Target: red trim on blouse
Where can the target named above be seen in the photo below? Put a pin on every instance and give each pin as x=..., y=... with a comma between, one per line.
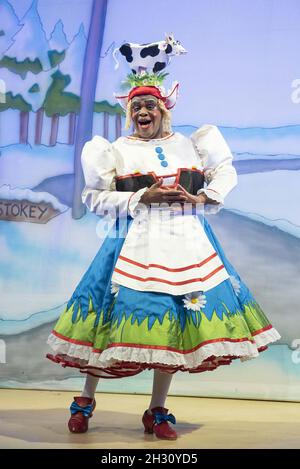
x=157, y=176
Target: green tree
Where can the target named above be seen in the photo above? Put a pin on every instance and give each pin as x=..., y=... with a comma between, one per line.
x=110, y=110
x=18, y=102
x=59, y=103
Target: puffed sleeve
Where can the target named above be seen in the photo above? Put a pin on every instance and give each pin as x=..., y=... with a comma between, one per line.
x=99, y=194
x=220, y=175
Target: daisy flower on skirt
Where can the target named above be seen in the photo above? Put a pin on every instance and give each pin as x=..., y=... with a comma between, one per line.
x=194, y=301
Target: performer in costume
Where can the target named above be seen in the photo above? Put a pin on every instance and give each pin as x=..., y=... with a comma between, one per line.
x=160, y=293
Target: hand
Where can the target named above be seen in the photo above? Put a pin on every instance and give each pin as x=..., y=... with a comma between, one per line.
x=197, y=199
x=158, y=194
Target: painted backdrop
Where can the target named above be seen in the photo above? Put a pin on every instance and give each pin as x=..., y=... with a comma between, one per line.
x=57, y=78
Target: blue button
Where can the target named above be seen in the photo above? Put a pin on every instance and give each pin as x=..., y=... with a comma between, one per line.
x=161, y=156
x=164, y=163
x=158, y=150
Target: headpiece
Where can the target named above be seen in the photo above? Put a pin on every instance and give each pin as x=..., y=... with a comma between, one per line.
x=148, y=83
x=147, y=62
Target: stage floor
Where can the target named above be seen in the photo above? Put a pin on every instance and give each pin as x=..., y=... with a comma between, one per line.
x=37, y=419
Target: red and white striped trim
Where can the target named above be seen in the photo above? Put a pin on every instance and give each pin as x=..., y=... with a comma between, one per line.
x=180, y=280
x=119, y=358
x=177, y=269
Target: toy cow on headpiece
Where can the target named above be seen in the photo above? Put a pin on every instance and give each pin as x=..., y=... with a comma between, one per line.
x=153, y=57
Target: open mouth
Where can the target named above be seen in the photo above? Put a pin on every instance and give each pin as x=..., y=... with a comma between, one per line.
x=145, y=124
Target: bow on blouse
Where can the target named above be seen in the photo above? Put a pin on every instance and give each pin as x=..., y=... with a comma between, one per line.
x=159, y=418
x=77, y=408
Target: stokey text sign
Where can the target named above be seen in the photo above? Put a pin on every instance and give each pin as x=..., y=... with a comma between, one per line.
x=24, y=210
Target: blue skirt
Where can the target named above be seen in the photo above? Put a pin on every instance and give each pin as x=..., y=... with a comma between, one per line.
x=112, y=334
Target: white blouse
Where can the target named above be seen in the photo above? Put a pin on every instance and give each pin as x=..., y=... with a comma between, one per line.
x=164, y=254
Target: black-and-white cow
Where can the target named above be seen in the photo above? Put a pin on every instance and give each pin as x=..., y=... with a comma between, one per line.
x=152, y=57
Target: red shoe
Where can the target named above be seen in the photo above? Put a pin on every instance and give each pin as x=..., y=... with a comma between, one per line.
x=81, y=410
x=158, y=423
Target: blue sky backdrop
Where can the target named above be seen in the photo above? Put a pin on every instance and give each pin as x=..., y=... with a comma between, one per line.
x=242, y=55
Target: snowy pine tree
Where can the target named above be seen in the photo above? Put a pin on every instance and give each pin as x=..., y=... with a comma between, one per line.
x=73, y=62
x=58, y=40
x=58, y=44
x=27, y=69
x=29, y=51
x=9, y=25
x=63, y=99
